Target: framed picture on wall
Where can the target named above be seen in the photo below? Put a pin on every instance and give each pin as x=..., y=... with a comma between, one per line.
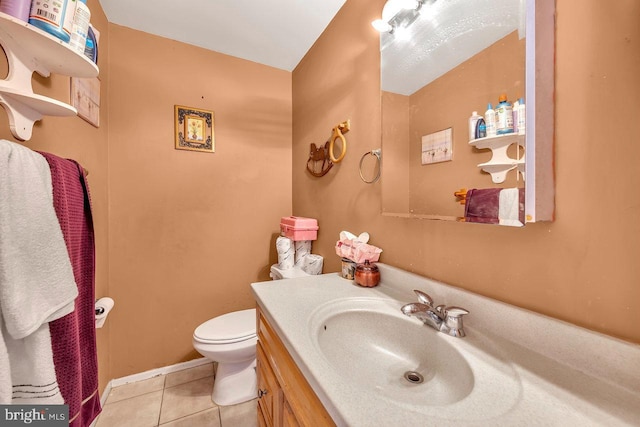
x=85, y=97
x=194, y=129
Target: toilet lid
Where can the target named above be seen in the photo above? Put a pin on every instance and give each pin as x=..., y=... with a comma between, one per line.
x=228, y=328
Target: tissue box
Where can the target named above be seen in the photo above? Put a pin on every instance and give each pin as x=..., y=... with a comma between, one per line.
x=299, y=228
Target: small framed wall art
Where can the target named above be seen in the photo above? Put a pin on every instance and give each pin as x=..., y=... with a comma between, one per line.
x=85, y=97
x=194, y=129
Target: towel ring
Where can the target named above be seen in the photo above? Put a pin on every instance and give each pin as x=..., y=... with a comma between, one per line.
x=337, y=134
x=377, y=153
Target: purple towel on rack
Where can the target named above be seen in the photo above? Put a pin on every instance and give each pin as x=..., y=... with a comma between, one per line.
x=73, y=337
x=483, y=205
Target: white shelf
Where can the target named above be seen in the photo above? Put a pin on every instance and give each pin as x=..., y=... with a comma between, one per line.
x=30, y=50
x=500, y=163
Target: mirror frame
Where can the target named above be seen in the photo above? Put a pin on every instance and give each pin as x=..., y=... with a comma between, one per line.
x=539, y=90
x=540, y=85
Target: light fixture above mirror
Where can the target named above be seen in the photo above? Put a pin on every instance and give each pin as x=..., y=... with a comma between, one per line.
x=398, y=14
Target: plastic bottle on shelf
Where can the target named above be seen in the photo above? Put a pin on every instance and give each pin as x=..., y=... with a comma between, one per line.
x=504, y=116
x=54, y=16
x=17, y=8
x=473, y=120
x=522, y=117
x=481, y=129
x=80, y=27
x=490, y=120
x=91, y=47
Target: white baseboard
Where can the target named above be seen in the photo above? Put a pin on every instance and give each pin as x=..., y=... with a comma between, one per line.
x=156, y=372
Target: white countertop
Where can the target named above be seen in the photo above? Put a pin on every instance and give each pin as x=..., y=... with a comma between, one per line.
x=565, y=375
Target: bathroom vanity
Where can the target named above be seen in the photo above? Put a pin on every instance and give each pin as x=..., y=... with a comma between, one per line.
x=285, y=397
x=334, y=353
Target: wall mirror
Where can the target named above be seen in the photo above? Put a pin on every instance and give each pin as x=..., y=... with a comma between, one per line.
x=440, y=61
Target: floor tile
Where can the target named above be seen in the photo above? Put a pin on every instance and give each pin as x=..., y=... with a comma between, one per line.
x=186, y=399
x=241, y=415
x=208, y=418
x=191, y=374
x=139, y=411
x=135, y=389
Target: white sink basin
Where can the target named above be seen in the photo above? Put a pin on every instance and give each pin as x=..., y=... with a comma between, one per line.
x=369, y=344
x=376, y=346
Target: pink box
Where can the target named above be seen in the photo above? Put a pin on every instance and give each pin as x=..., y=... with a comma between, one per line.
x=298, y=228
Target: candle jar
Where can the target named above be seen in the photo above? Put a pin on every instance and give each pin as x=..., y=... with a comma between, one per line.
x=367, y=274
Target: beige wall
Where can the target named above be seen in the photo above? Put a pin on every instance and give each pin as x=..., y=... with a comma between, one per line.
x=189, y=231
x=582, y=268
x=72, y=137
x=186, y=232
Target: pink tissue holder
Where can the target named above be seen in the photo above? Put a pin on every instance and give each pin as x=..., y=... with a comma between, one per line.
x=357, y=252
x=298, y=228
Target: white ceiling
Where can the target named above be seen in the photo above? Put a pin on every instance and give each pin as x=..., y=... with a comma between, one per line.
x=277, y=33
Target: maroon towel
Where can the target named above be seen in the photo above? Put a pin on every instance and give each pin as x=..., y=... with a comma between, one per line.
x=73, y=337
x=482, y=205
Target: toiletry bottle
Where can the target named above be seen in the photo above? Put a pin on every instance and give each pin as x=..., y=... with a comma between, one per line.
x=522, y=117
x=481, y=129
x=473, y=120
x=80, y=27
x=91, y=47
x=504, y=116
x=516, y=103
x=490, y=120
x=17, y=8
x=53, y=16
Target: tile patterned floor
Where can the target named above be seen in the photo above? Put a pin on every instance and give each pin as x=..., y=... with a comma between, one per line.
x=178, y=399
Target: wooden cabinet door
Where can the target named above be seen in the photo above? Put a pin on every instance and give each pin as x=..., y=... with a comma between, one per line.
x=288, y=417
x=269, y=392
x=262, y=422
x=289, y=399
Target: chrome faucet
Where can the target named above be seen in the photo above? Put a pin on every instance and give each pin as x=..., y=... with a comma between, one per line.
x=441, y=318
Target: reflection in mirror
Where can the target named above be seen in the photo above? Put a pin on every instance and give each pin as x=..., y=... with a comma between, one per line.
x=441, y=60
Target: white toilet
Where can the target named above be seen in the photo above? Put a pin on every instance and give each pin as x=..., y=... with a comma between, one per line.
x=230, y=340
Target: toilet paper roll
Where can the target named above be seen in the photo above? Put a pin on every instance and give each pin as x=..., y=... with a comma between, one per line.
x=313, y=264
x=103, y=307
x=303, y=248
x=286, y=252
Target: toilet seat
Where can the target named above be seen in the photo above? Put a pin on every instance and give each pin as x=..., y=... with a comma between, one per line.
x=229, y=328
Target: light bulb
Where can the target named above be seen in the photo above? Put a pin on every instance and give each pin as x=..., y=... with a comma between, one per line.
x=408, y=4
x=381, y=26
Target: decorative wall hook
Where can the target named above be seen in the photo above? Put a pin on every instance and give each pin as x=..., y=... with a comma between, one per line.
x=338, y=133
x=317, y=155
x=461, y=196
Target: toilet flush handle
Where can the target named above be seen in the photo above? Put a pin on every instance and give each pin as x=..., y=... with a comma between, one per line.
x=262, y=393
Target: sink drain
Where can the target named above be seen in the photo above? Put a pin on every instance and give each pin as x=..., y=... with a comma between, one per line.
x=413, y=377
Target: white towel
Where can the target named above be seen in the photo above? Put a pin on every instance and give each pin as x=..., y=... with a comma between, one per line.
x=509, y=207
x=36, y=277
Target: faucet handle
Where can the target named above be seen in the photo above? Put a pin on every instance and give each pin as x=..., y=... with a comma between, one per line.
x=455, y=312
x=453, y=321
x=424, y=298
